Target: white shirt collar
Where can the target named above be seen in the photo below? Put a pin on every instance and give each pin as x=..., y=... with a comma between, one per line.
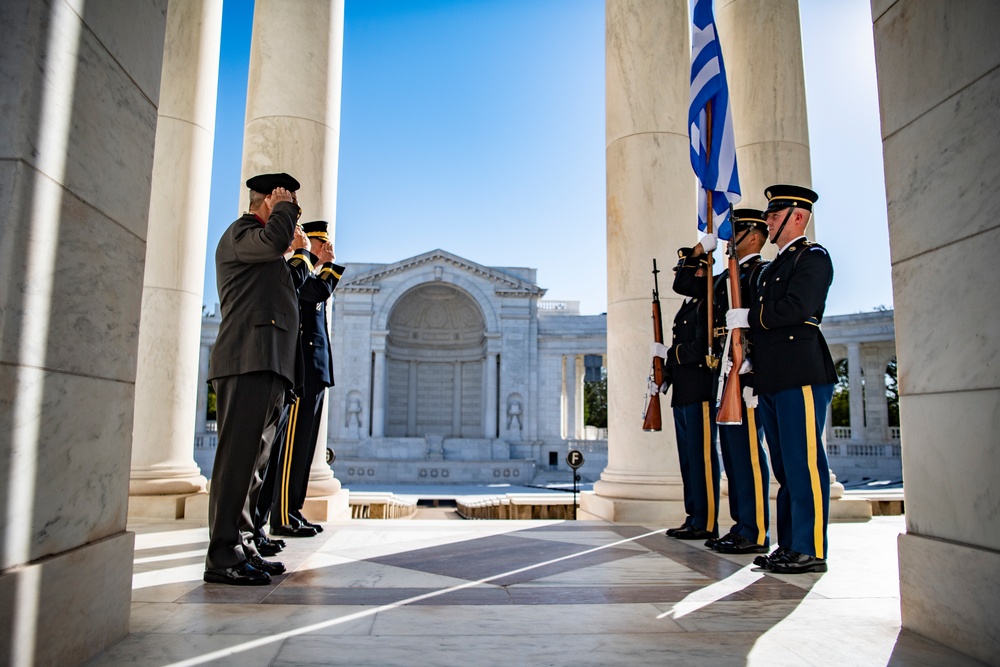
x=790, y=243
x=749, y=257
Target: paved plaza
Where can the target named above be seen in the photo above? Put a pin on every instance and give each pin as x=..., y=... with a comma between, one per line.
x=446, y=592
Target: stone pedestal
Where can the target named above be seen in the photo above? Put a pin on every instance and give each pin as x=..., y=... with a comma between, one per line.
x=651, y=212
x=938, y=87
x=80, y=89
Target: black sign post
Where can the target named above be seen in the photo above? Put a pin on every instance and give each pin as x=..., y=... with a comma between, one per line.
x=574, y=459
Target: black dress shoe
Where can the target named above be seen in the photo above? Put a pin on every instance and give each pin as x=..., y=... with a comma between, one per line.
x=683, y=526
x=765, y=561
x=691, y=533
x=290, y=531
x=302, y=521
x=243, y=574
x=737, y=544
x=272, y=567
x=713, y=542
x=792, y=562
x=267, y=547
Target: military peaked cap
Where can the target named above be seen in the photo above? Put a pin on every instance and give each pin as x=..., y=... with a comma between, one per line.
x=266, y=183
x=785, y=196
x=317, y=229
x=749, y=218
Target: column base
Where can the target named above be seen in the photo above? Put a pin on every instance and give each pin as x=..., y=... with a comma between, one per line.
x=336, y=507
x=169, y=506
x=196, y=507
x=850, y=510
x=630, y=510
x=69, y=607
x=948, y=592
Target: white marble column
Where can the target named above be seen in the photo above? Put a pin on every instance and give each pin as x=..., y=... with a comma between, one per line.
x=293, y=100
x=379, y=384
x=876, y=407
x=166, y=385
x=80, y=86
x=578, y=372
x=762, y=46
x=201, y=405
x=570, y=397
x=856, y=386
x=490, y=397
x=651, y=212
x=939, y=81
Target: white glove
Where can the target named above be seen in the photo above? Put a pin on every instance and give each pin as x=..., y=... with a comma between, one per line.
x=709, y=241
x=658, y=350
x=745, y=367
x=727, y=365
x=738, y=318
x=749, y=398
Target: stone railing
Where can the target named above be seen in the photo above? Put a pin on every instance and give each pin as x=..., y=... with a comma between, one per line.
x=381, y=505
x=842, y=432
x=517, y=506
x=891, y=450
x=894, y=432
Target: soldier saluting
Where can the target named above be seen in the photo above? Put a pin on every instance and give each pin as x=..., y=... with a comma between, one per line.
x=794, y=377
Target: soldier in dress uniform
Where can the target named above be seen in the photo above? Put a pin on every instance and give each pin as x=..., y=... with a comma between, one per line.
x=742, y=445
x=252, y=366
x=301, y=430
x=793, y=378
x=693, y=404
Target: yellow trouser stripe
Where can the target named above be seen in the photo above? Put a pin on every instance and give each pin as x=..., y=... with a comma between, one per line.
x=758, y=492
x=707, y=448
x=286, y=474
x=811, y=456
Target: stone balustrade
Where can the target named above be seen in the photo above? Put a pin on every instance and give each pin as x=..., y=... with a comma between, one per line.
x=381, y=505
x=516, y=506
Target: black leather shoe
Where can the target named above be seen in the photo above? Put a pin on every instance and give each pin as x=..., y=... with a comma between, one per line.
x=713, y=542
x=272, y=567
x=691, y=533
x=243, y=574
x=267, y=547
x=765, y=561
x=289, y=531
x=795, y=563
x=737, y=544
x=302, y=521
x=683, y=526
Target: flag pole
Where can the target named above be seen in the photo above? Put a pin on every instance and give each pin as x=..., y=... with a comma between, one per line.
x=710, y=359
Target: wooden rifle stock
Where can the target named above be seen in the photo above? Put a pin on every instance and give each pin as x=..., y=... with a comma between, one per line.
x=652, y=419
x=730, y=408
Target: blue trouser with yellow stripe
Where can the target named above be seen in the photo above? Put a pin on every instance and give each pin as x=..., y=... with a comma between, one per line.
x=694, y=426
x=793, y=421
x=745, y=462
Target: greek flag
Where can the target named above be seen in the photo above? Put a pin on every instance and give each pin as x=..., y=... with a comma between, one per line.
x=715, y=164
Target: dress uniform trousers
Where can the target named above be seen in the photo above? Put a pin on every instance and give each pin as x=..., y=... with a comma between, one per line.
x=298, y=448
x=793, y=421
x=694, y=426
x=243, y=449
x=745, y=462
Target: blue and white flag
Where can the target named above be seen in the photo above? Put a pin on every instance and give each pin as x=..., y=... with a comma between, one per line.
x=715, y=164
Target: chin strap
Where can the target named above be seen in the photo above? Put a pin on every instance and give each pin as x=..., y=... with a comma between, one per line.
x=783, y=223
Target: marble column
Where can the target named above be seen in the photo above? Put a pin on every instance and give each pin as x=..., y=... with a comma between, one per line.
x=578, y=371
x=876, y=407
x=166, y=386
x=855, y=380
x=939, y=81
x=490, y=397
x=651, y=212
x=80, y=89
x=570, y=397
x=201, y=406
x=293, y=100
x=379, y=384
x=762, y=46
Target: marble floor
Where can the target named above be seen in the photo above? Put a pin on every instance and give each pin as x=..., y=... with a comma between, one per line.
x=445, y=592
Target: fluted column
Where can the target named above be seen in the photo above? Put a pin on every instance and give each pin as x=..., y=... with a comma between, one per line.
x=166, y=386
x=857, y=391
x=570, y=393
x=762, y=46
x=651, y=211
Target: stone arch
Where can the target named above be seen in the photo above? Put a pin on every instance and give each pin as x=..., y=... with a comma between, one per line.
x=459, y=281
x=435, y=358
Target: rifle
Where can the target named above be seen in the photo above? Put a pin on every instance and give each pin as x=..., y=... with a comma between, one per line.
x=651, y=418
x=730, y=406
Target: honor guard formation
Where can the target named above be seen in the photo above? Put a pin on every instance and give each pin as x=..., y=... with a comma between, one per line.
x=270, y=368
x=787, y=378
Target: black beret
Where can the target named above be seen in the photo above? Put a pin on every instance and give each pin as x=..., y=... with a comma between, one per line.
x=266, y=183
x=785, y=196
x=317, y=229
x=749, y=218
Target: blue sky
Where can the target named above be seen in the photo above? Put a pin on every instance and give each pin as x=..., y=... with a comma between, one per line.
x=477, y=126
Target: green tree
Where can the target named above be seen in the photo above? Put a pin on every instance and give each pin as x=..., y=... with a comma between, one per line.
x=892, y=393
x=841, y=404
x=211, y=413
x=595, y=401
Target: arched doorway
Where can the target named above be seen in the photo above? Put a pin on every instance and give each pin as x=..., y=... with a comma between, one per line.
x=435, y=355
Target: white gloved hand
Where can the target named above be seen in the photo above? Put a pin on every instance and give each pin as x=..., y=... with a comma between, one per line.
x=709, y=241
x=658, y=350
x=727, y=365
x=746, y=367
x=738, y=318
x=749, y=398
